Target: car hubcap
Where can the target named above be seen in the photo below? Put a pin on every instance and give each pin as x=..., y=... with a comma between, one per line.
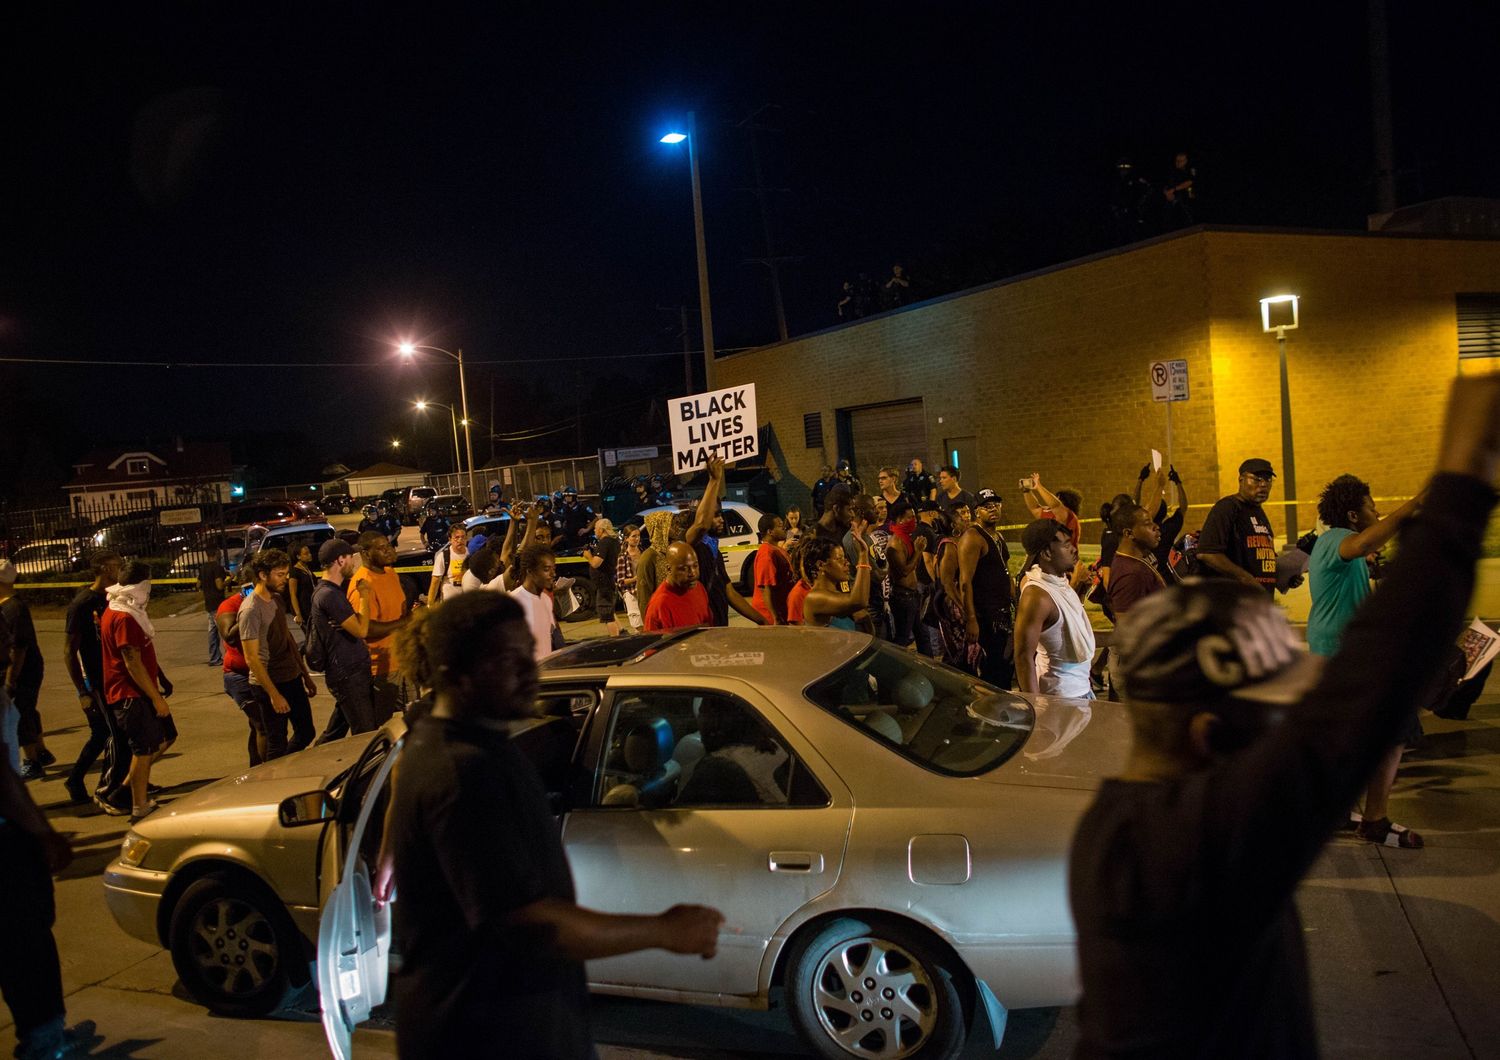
x=874, y=999
x=234, y=946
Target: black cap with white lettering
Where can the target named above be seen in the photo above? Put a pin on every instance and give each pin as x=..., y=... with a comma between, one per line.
x=1210, y=638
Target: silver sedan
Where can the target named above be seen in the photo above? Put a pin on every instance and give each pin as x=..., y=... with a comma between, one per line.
x=886, y=836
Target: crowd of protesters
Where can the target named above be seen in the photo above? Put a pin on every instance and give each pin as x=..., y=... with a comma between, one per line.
x=923, y=563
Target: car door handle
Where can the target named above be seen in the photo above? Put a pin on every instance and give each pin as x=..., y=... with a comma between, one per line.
x=805, y=861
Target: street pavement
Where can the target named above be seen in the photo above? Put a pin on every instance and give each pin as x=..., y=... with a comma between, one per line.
x=1404, y=945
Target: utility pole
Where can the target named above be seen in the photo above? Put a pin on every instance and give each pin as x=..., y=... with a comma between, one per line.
x=687, y=346
x=1380, y=107
x=771, y=261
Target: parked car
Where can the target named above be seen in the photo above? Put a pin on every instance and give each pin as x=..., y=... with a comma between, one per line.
x=133, y=534
x=289, y=537
x=416, y=503
x=450, y=505
x=54, y=555
x=262, y=513
x=198, y=551
x=741, y=532
x=395, y=498
x=910, y=825
x=336, y=504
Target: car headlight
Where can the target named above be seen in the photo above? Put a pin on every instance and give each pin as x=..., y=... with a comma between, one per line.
x=133, y=849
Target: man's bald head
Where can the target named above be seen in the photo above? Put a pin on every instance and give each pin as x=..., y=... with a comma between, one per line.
x=682, y=566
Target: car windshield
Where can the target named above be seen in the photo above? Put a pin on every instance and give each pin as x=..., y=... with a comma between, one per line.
x=607, y=651
x=940, y=718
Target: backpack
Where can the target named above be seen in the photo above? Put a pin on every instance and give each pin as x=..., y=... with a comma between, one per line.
x=316, y=651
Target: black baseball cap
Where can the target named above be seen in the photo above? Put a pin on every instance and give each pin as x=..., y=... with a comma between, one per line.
x=330, y=551
x=987, y=497
x=1208, y=639
x=1257, y=466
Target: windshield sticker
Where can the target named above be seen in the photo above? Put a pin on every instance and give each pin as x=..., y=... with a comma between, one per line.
x=728, y=659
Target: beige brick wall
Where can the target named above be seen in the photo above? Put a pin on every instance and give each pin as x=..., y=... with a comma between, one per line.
x=1050, y=371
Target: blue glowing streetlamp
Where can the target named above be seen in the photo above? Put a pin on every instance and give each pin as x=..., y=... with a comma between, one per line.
x=691, y=137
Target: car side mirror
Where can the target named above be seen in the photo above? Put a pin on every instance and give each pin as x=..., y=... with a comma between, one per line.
x=311, y=807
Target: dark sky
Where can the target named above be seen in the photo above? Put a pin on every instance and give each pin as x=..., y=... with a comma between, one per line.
x=302, y=186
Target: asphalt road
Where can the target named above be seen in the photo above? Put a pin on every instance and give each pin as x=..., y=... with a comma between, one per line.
x=1405, y=946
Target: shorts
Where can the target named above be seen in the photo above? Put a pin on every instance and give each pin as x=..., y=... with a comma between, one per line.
x=604, y=603
x=144, y=731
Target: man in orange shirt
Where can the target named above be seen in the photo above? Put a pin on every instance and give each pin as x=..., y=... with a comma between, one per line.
x=388, y=613
x=681, y=600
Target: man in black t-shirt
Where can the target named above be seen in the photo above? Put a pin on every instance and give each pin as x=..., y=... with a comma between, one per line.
x=23, y=670
x=491, y=936
x=342, y=633
x=1237, y=541
x=83, y=658
x=602, y=557
x=951, y=494
x=211, y=581
x=1244, y=759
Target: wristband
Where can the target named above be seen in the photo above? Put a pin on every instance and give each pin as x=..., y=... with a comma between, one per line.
x=863, y=566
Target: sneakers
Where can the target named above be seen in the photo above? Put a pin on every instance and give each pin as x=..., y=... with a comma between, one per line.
x=138, y=812
x=32, y=770
x=110, y=808
x=77, y=1040
x=46, y=758
x=77, y=793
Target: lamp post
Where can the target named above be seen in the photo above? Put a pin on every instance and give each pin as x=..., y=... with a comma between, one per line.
x=408, y=350
x=691, y=136
x=423, y=405
x=1278, y=313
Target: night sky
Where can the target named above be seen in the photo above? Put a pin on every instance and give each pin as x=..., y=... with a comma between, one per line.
x=281, y=196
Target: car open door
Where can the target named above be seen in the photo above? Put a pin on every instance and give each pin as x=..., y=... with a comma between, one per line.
x=354, y=938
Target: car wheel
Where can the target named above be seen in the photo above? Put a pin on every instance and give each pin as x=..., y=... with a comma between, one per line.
x=345, y=510
x=234, y=947
x=869, y=988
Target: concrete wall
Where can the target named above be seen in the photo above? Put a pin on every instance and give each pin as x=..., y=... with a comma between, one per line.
x=1050, y=371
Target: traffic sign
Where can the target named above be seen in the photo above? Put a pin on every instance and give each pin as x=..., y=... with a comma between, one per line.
x=1169, y=381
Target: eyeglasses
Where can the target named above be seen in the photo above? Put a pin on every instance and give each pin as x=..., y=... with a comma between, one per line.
x=1263, y=479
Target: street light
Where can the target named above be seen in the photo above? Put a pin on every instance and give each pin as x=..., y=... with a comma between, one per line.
x=422, y=405
x=408, y=350
x=691, y=136
x=1278, y=313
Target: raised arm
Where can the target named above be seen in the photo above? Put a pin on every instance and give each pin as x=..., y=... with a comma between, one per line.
x=1374, y=538
x=708, y=507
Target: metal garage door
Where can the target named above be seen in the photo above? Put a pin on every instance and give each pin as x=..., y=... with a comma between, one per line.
x=885, y=435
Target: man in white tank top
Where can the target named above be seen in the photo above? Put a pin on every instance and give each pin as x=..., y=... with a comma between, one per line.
x=1054, y=640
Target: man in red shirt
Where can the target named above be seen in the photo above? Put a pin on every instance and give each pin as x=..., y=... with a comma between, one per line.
x=132, y=679
x=773, y=572
x=680, y=600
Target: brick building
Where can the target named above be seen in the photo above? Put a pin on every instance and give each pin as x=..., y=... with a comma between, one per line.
x=1048, y=372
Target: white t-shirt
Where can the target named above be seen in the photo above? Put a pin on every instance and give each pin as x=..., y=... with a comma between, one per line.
x=445, y=567
x=538, y=610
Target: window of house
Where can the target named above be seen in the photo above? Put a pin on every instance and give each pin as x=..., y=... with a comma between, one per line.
x=137, y=466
